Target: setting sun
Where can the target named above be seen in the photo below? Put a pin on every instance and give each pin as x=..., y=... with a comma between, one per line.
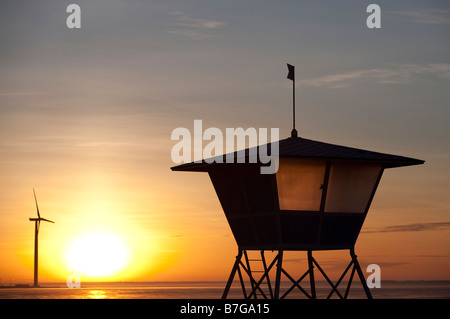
x=97, y=255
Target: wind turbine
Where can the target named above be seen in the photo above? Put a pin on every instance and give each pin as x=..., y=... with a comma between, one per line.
x=37, y=223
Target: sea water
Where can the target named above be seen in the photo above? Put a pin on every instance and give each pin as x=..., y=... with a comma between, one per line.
x=214, y=290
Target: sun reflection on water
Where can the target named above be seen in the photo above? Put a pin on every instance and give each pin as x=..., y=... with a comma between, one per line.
x=97, y=294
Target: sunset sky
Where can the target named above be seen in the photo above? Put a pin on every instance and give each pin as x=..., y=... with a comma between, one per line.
x=86, y=117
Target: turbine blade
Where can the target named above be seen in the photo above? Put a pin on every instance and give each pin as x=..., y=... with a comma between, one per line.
x=37, y=207
x=50, y=221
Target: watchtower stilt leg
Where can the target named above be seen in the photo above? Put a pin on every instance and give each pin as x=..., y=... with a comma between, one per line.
x=360, y=273
x=278, y=275
x=311, y=275
x=232, y=274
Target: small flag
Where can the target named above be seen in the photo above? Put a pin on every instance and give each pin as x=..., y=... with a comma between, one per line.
x=291, y=75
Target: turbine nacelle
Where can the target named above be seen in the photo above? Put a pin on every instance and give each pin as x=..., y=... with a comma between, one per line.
x=39, y=219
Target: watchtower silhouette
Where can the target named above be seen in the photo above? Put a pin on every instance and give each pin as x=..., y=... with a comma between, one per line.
x=317, y=200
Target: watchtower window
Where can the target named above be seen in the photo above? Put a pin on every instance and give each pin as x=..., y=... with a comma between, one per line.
x=350, y=186
x=300, y=184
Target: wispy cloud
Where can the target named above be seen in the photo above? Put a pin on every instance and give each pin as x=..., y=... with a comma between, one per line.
x=411, y=227
x=396, y=74
x=19, y=93
x=195, y=28
x=427, y=15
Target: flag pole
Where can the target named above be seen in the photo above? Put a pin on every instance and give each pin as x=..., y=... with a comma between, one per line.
x=293, y=109
x=291, y=76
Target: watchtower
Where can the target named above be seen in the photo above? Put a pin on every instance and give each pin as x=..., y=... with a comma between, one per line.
x=317, y=200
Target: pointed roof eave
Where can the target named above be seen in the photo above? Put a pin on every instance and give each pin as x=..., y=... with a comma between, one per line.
x=297, y=147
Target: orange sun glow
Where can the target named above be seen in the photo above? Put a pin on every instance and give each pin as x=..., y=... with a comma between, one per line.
x=98, y=255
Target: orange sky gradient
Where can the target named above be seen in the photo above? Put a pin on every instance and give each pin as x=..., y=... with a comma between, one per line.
x=86, y=118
